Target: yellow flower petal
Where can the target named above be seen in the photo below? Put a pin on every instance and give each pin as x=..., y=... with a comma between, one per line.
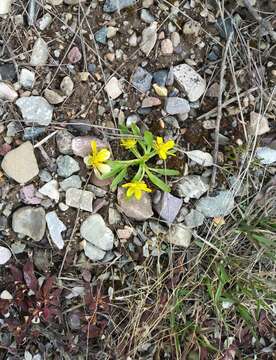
x=138, y=194
x=104, y=168
x=94, y=146
x=130, y=192
x=103, y=155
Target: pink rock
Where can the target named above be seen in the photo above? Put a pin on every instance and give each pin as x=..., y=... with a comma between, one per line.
x=136, y=209
x=74, y=55
x=81, y=145
x=150, y=102
x=28, y=195
x=4, y=149
x=100, y=183
x=7, y=92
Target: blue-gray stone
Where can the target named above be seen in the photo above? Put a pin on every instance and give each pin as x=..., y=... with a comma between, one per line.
x=141, y=79
x=117, y=5
x=214, y=54
x=31, y=133
x=146, y=16
x=8, y=72
x=101, y=35
x=67, y=166
x=219, y=205
x=177, y=105
x=160, y=77
x=91, y=68
x=225, y=27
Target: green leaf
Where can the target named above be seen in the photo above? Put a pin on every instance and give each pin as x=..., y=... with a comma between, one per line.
x=139, y=173
x=120, y=177
x=166, y=172
x=158, y=182
x=114, y=170
x=148, y=138
x=123, y=129
x=135, y=130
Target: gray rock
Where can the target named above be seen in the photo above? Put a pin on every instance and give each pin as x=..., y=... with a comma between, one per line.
x=114, y=217
x=219, y=205
x=67, y=86
x=27, y=79
x=50, y=189
x=179, y=235
x=73, y=181
x=168, y=207
x=101, y=35
x=5, y=255
x=81, y=145
x=29, y=221
x=44, y=175
x=192, y=186
x=160, y=77
x=146, y=16
x=32, y=133
x=141, y=80
x=64, y=142
x=225, y=27
x=111, y=6
x=35, y=110
x=8, y=72
x=53, y=97
x=177, y=105
x=136, y=209
x=94, y=230
x=149, y=37
x=55, y=227
x=40, y=53
x=194, y=219
x=266, y=155
x=67, y=166
x=190, y=81
x=92, y=252
x=44, y=21
x=79, y=199
x=20, y=164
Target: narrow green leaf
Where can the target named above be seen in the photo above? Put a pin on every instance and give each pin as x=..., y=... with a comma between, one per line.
x=148, y=137
x=158, y=182
x=123, y=129
x=139, y=173
x=135, y=130
x=114, y=170
x=166, y=172
x=120, y=177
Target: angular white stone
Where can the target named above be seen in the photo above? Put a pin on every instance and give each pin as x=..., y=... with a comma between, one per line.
x=149, y=37
x=79, y=199
x=50, y=189
x=5, y=255
x=5, y=6
x=40, y=53
x=113, y=88
x=180, y=235
x=7, y=92
x=27, y=78
x=35, y=110
x=55, y=227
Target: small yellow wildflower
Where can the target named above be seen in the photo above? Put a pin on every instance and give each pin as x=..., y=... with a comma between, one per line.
x=163, y=148
x=136, y=188
x=97, y=160
x=128, y=143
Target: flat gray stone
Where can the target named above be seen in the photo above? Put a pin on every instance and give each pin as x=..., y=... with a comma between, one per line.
x=55, y=227
x=35, y=110
x=40, y=53
x=20, y=163
x=64, y=142
x=177, y=105
x=266, y=155
x=141, y=80
x=79, y=199
x=219, y=205
x=50, y=189
x=27, y=79
x=92, y=252
x=192, y=186
x=73, y=181
x=111, y=6
x=168, y=207
x=29, y=221
x=194, y=219
x=136, y=209
x=67, y=166
x=180, y=235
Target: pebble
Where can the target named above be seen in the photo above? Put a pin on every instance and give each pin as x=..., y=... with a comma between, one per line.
x=50, y=189
x=175, y=37
x=259, y=124
x=64, y=142
x=101, y=35
x=4, y=149
x=27, y=78
x=191, y=27
x=44, y=175
x=192, y=186
x=168, y=207
x=97, y=191
x=66, y=166
x=146, y=16
x=35, y=110
x=79, y=199
x=190, y=81
x=136, y=209
x=194, y=219
x=133, y=40
x=72, y=2
x=28, y=195
x=5, y=6
x=177, y=105
x=81, y=145
x=166, y=47
x=114, y=217
x=219, y=205
x=160, y=90
x=74, y=55
x=53, y=97
x=94, y=230
x=7, y=92
x=141, y=80
x=160, y=77
x=180, y=235
x=55, y=227
x=20, y=163
x=149, y=37
x=111, y=32
x=150, y=101
x=5, y=255
x=200, y=157
x=67, y=86
x=111, y=6
x=113, y=88
x=8, y=72
x=147, y=3
x=32, y=133
x=215, y=53
x=73, y=181
x=40, y=53
x=132, y=119
x=29, y=221
x=266, y=155
x=92, y=252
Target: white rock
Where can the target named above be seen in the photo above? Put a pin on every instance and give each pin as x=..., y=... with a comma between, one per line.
x=258, y=124
x=50, y=189
x=55, y=227
x=215, y=206
x=92, y=252
x=192, y=186
x=67, y=86
x=149, y=37
x=133, y=40
x=5, y=255
x=113, y=88
x=35, y=110
x=111, y=32
x=95, y=231
x=44, y=22
x=5, y=6
x=79, y=199
x=20, y=163
x=5, y=295
x=27, y=78
x=180, y=235
x=190, y=81
x=40, y=53
x=266, y=155
x=7, y=92
x=200, y=157
x=166, y=47
x=54, y=2
x=53, y=97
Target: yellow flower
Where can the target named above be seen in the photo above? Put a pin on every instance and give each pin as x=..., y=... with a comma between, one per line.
x=163, y=148
x=136, y=188
x=128, y=143
x=97, y=160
